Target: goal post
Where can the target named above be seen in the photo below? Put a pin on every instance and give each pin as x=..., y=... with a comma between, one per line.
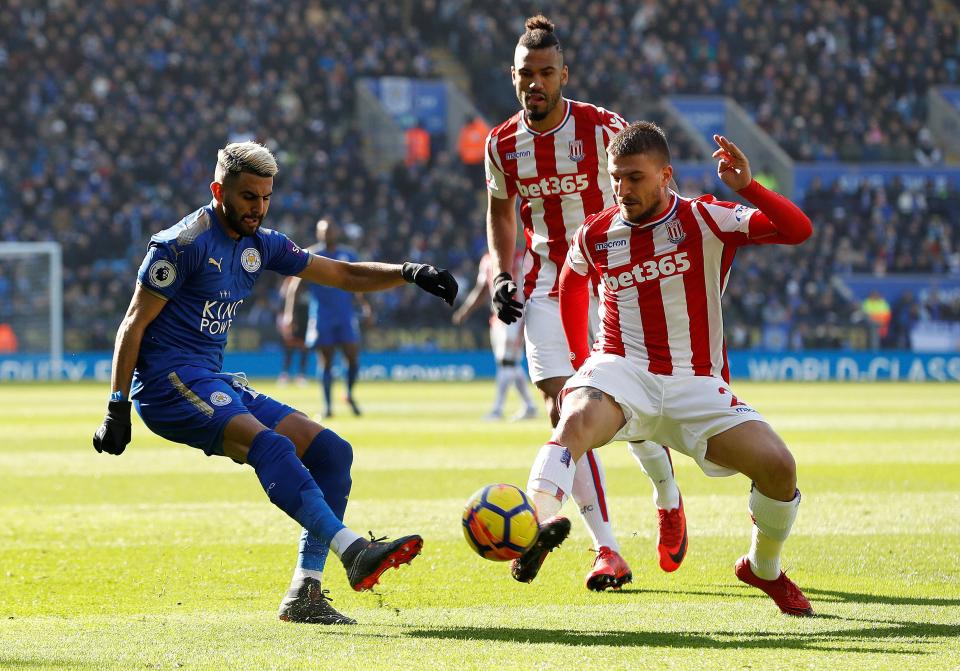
x=31, y=299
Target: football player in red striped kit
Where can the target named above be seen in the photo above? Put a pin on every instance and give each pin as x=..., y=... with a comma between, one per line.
x=551, y=155
x=659, y=368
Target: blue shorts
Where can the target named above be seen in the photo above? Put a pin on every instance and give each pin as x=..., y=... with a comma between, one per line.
x=322, y=333
x=192, y=405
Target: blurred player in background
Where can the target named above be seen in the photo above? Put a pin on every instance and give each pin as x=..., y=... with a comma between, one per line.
x=195, y=277
x=332, y=321
x=659, y=367
x=293, y=331
x=506, y=341
x=551, y=155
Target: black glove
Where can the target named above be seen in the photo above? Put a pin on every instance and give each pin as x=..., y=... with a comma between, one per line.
x=437, y=282
x=508, y=308
x=114, y=434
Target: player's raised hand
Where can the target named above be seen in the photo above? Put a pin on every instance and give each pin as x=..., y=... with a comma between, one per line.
x=436, y=281
x=114, y=434
x=732, y=164
x=508, y=308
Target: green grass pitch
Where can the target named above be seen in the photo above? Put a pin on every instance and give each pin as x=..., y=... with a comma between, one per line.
x=165, y=559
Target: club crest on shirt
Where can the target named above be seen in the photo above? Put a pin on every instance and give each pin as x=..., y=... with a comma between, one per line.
x=250, y=260
x=576, y=151
x=220, y=398
x=675, y=232
x=162, y=273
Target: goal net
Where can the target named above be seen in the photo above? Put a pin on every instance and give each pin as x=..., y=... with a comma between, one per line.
x=31, y=299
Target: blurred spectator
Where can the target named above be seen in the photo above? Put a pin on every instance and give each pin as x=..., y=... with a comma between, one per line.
x=417, y=141
x=8, y=339
x=877, y=310
x=927, y=153
x=471, y=143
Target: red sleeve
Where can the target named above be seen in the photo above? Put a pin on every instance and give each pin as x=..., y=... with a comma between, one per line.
x=779, y=220
x=574, y=313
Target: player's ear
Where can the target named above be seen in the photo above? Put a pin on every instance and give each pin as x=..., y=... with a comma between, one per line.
x=666, y=175
x=513, y=75
x=564, y=75
x=216, y=188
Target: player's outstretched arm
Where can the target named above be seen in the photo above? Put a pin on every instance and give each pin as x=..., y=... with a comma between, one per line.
x=780, y=220
x=575, y=313
x=375, y=276
x=114, y=433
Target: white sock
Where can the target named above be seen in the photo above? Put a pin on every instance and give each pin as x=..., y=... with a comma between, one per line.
x=342, y=540
x=654, y=460
x=520, y=382
x=300, y=573
x=503, y=384
x=772, y=521
x=551, y=479
x=589, y=493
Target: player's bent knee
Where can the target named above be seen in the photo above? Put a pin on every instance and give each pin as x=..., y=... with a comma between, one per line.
x=274, y=458
x=784, y=468
x=778, y=473
x=329, y=452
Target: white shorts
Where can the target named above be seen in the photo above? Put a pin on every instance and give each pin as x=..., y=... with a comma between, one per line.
x=681, y=412
x=506, y=340
x=548, y=354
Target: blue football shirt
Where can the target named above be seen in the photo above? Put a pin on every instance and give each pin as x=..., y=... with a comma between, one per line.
x=205, y=276
x=330, y=303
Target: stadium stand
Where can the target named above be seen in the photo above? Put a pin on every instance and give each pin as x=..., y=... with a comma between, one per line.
x=111, y=114
x=827, y=80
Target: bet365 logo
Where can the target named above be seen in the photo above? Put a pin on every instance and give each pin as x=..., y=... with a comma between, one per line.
x=652, y=269
x=553, y=186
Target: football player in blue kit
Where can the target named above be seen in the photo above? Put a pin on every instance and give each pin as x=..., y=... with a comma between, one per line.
x=332, y=318
x=194, y=279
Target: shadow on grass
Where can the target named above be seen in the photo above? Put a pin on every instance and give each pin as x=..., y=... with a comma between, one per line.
x=814, y=594
x=863, y=638
x=859, y=597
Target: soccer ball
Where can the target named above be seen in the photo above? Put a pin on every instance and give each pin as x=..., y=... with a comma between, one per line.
x=499, y=522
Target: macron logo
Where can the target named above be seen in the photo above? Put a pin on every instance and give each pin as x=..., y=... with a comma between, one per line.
x=612, y=244
x=514, y=155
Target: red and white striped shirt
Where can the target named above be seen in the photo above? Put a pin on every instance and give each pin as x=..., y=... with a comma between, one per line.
x=661, y=281
x=561, y=178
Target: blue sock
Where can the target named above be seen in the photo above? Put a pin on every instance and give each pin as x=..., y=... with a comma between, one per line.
x=327, y=386
x=353, y=370
x=328, y=459
x=290, y=486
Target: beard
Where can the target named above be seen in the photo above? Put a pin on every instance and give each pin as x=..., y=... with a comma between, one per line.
x=646, y=215
x=550, y=102
x=648, y=212
x=235, y=222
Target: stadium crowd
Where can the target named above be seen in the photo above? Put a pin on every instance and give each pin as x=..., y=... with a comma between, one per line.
x=827, y=80
x=112, y=112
